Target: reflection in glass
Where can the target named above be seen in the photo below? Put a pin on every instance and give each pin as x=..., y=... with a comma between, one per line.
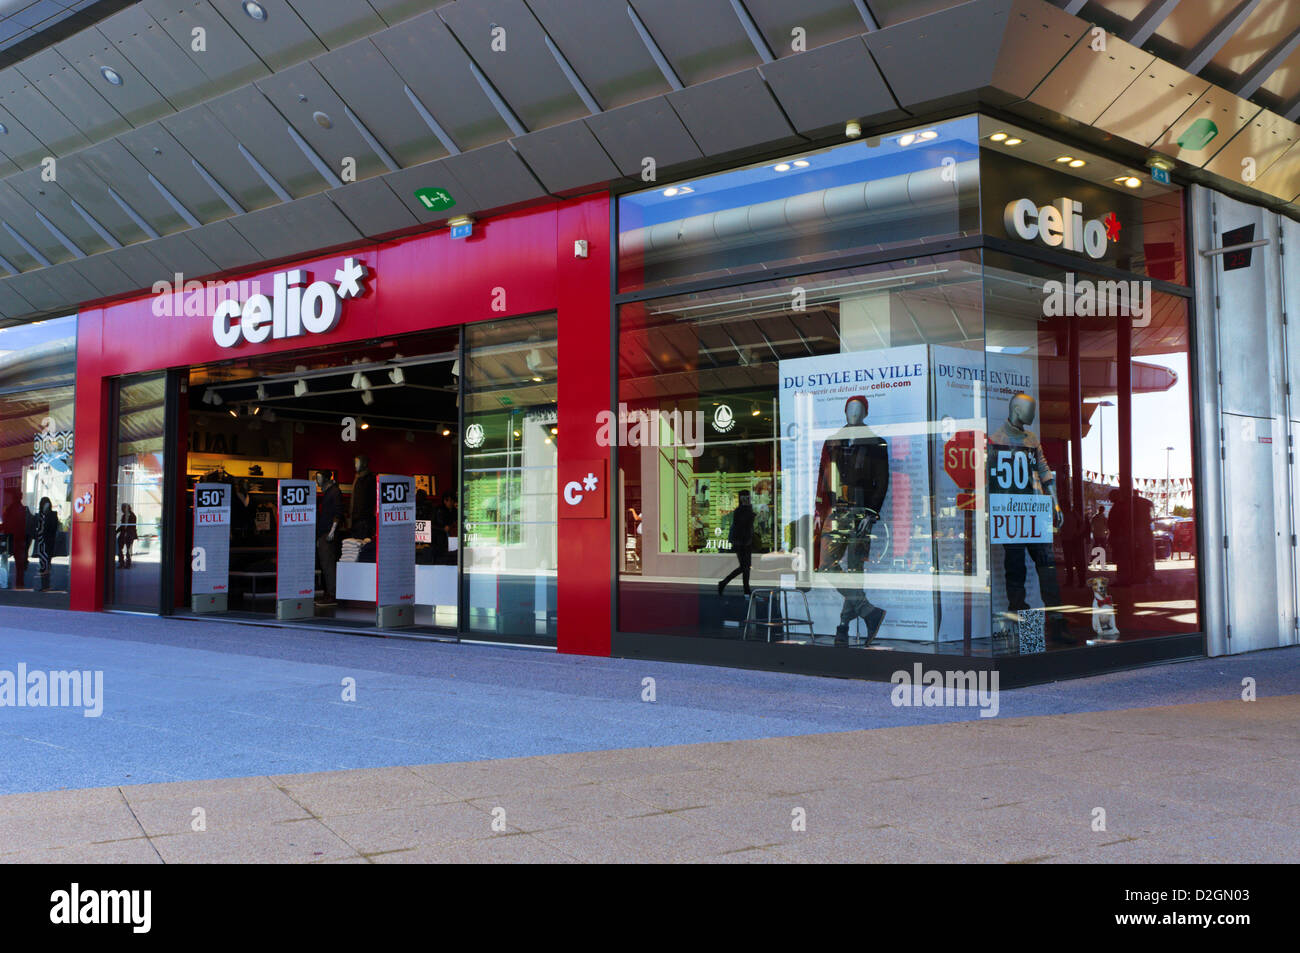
x=508, y=482
x=135, y=497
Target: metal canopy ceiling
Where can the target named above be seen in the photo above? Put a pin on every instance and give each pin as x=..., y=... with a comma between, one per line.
x=191, y=136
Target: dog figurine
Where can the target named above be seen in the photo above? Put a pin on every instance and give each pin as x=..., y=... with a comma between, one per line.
x=1103, y=610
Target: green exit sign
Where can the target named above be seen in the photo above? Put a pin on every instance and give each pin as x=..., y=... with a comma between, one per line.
x=435, y=200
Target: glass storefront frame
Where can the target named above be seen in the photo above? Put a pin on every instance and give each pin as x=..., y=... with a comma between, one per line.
x=648, y=644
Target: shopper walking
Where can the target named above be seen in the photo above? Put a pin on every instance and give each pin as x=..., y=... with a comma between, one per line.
x=127, y=534
x=741, y=538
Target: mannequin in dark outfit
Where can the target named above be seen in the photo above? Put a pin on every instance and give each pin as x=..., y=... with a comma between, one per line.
x=852, y=480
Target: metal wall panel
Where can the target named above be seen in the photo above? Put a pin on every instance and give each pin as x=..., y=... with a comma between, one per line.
x=224, y=245
x=649, y=129
x=372, y=207
x=227, y=61
x=525, y=73
x=280, y=40
x=277, y=232
x=702, y=39
x=54, y=203
x=822, y=89
x=21, y=100
x=1088, y=81
x=1227, y=112
x=735, y=112
x=601, y=44
x=72, y=95
x=821, y=22
x=203, y=138
x=135, y=100
x=337, y=22
x=1153, y=103
x=450, y=94
x=1250, y=314
x=18, y=144
x=148, y=47
x=251, y=120
x=495, y=177
x=567, y=158
x=169, y=163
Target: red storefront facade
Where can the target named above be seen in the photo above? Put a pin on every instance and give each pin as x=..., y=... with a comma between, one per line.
x=515, y=264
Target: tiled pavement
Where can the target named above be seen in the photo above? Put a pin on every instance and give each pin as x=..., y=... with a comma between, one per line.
x=1215, y=781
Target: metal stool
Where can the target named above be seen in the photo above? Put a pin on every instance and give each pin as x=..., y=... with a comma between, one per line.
x=783, y=622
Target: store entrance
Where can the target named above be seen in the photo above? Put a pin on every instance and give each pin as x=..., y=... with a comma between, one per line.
x=342, y=418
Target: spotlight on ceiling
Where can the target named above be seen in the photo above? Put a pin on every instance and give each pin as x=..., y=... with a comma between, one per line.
x=300, y=389
x=367, y=398
x=852, y=130
x=234, y=413
x=363, y=424
x=111, y=76
x=397, y=376
x=255, y=10
x=323, y=120
x=446, y=432
x=360, y=381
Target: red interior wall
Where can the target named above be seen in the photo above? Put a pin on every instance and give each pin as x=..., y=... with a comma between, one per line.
x=318, y=446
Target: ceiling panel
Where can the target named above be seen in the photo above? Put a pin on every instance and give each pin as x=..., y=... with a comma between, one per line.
x=567, y=158
x=135, y=100
x=168, y=162
x=372, y=207
x=1283, y=177
x=201, y=135
x=100, y=271
x=222, y=243
x=72, y=95
x=15, y=211
x=822, y=89
x=115, y=166
x=148, y=47
x=1264, y=139
x=250, y=119
x=525, y=73
x=395, y=11
x=299, y=93
x=1191, y=20
x=295, y=227
x=1225, y=115
x=15, y=254
x=735, y=112
x=702, y=39
x=176, y=253
x=336, y=22
x=12, y=303
x=36, y=289
x=1285, y=81
x=361, y=76
x=1264, y=28
x=80, y=181
x=822, y=22
x=644, y=130
x=18, y=144
x=618, y=69
x=56, y=205
x=495, y=177
x=21, y=100
x=226, y=59
x=451, y=95
x=1160, y=94
x=140, y=265
x=280, y=40
x=1087, y=81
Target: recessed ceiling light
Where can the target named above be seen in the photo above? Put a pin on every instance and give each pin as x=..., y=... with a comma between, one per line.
x=1065, y=158
x=255, y=10
x=677, y=190
x=998, y=136
x=4, y=130
x=802, y=163
x=1129, y=181
x=1013, y=141
x=111, y=76
x=928, y=135
x=782, y=167
x=907, y=140
x=446, y=432
x=322, y=120
x=1077, y=163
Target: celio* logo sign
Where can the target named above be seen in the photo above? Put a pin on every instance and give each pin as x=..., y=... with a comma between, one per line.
x=292, y=310
x=1061, y=224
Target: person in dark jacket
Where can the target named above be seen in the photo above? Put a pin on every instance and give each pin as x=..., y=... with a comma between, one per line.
x=47, y=530
x=361, y=508
x=127, y=534
x=16, y=519
x=741, y=538
x=327, y=532
x=444, y=518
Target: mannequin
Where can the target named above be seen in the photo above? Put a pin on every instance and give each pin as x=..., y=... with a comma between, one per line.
x=1020, y=447
x=852, y=480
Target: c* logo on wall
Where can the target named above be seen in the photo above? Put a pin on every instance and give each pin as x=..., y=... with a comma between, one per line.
x=723, y=419
x=474, y=436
